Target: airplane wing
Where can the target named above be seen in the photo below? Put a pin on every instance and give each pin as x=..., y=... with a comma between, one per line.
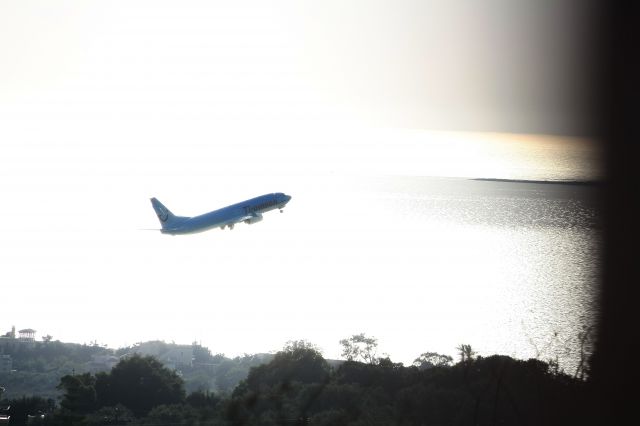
x=246, y=218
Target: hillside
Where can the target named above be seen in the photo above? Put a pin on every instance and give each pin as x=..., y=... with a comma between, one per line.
x=34, y=368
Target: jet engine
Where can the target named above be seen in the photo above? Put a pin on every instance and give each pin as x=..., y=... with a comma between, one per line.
x=254, y=219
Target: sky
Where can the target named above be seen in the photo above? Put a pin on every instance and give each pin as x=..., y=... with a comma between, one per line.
x=205, y=103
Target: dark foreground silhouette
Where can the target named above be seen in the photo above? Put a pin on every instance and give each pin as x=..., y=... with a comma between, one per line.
x=298, y=386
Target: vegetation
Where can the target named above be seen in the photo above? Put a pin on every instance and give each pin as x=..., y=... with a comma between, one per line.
x=360, y=347
x=432, y=359
x=298, y=386
x=138, y=383
x=38, y=366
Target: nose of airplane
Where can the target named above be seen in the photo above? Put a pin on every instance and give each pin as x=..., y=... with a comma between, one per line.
x=287, y=198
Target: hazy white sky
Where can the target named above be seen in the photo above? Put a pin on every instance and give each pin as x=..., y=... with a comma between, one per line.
x=205, y=103
x=493, y=65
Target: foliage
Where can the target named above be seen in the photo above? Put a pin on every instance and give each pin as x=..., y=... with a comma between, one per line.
x=297, y=386
x=79, y=393
x=493, y=390
x=139, y=383
x=360, y=347
x=432, y=359
x=21, y=383
x=202, y=400
x=52, y=355
x=40, y=365
x=300, y=345
x=466, y=353
x=298, y=361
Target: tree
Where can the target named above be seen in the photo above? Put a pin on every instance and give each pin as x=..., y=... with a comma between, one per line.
x=299, y=361
x=359, y=346
x=79, y=393
x=200, y=399
x=466, y=353
x=139, y=383
x=432, y=359
x=295, y=345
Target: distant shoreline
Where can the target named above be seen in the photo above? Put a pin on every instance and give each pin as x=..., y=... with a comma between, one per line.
x=553, y=182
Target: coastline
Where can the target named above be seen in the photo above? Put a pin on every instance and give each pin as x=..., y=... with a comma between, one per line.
x=546, y=182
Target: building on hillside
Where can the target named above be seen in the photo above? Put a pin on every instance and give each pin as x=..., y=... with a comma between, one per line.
x=11, y=334
x=27, y=335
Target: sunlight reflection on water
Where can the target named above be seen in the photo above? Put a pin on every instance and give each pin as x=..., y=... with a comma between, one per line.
x=508, y=267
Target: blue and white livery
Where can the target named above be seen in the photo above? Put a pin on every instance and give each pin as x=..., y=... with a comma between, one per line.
x=249, y=211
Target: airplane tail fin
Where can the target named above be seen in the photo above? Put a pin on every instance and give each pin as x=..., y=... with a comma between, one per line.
x=164, y=214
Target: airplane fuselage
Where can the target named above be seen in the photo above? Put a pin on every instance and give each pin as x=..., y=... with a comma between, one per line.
x=248, y=211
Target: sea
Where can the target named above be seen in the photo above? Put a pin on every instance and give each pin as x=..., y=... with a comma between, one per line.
x=513, y=264
x=504, y=258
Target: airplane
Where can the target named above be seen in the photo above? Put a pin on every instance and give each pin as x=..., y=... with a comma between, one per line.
x=249, y=211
